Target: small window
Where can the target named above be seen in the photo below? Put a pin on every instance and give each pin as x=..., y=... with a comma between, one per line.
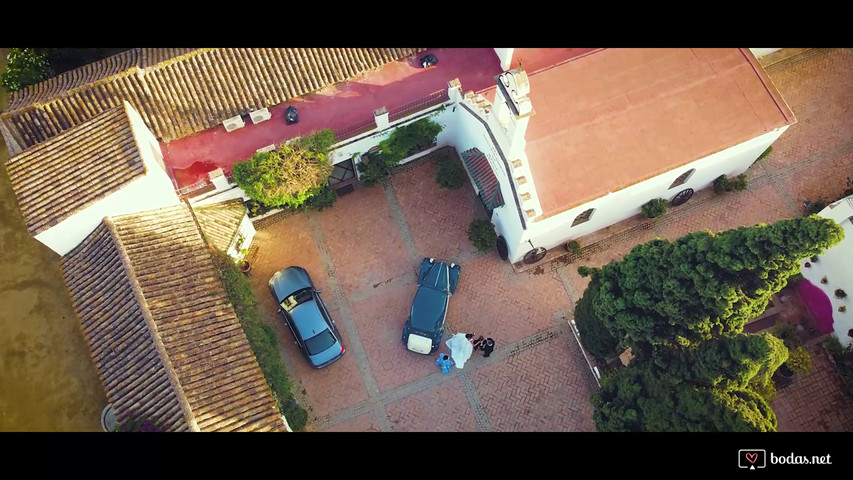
x=682, y=179
x=583, y=217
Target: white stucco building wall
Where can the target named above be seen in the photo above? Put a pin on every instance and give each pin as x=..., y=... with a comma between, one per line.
x=836, y=264
x=474, y=128
x=247, y=232
x=345, y=150
x=625, y=203
x=150, y=191
x=760, y=52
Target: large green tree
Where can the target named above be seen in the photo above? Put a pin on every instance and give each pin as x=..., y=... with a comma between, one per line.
x=26, y=66
x=594, y=335
x=706, y=388
x=704, y=284
x=288, y=175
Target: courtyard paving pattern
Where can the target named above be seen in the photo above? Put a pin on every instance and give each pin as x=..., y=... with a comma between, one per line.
x=363, y=254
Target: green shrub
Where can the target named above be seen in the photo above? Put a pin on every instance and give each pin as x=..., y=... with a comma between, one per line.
x=451, y=174
x=262, y=337
x=574, y=247
x=408, y=139
x=654, y=208
x=787, y=333
x=297, y=418
x=765, y=153
x=594, y=335
x=482, y=234
x=764, y=387
x=284, y=177
x=321, y=199
x=739, y=183
x=724, y=184
x=585, y=271
x=799, y=361
x=319, y=142
x=256, y=208
x=402, y=142
x=833, y=346
x=373, y=168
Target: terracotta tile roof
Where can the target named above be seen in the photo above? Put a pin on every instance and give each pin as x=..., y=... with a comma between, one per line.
x=615, y=117
x=179, y=92
x=161, y=333
x=65, y=174
x=221, y=221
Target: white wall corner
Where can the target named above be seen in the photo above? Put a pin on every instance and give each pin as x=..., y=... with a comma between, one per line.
x=454, y=90
x=505, y=57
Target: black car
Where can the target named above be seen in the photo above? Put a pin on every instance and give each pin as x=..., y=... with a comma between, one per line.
x=436, y=283
x=429, y=60
x=306, y=316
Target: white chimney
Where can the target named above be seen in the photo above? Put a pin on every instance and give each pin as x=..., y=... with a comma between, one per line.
x=217, y=177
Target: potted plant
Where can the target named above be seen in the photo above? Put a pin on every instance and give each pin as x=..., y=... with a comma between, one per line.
x=799, y=361
x=823, y=280
x=573, y=246
x=839, y=293
x=785, y=371
x=842, y=308
x=807, y=265
x=244, y=264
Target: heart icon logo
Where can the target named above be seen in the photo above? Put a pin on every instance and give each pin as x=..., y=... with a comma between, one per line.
x=752, y=457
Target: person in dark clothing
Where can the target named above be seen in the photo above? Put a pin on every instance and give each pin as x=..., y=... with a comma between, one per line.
x=487, y=346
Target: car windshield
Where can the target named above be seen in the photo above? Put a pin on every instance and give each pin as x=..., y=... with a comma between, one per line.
x=320, y=342
x=294, y=300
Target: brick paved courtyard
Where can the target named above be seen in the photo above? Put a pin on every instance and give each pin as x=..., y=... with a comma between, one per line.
x=363, y=254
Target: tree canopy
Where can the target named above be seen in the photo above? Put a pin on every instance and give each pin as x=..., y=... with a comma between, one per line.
x=288, y=175
x=682, y=306
x=594, y=335
x=703, y=284
x=28, y=66
x=699, y=389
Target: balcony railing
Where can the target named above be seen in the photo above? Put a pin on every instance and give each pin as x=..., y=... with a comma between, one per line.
x=421, y=104
x=354, y=130
x=410, y=108
x=203, y=183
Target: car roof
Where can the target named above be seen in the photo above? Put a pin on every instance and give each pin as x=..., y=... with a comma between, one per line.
x=308, y=319
x=427, y=307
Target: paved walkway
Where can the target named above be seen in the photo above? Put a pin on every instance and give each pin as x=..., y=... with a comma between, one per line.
x=364, y=252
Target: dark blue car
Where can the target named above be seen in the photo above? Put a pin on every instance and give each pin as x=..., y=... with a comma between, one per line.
x=306, y=316
x=436, y=283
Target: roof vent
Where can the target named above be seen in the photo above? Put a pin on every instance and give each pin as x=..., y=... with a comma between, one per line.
x=261, y=115
x=234, y=123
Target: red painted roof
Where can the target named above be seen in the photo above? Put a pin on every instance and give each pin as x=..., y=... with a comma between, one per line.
x=608, y=119
x=337, y=107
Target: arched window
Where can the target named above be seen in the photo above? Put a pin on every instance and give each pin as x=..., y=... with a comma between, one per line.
x=682, y=179
x=583, y=217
